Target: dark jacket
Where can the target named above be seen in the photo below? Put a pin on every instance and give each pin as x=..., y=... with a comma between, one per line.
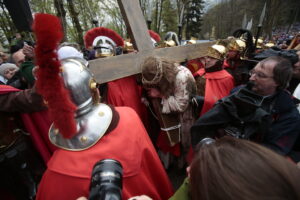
x=273, y=121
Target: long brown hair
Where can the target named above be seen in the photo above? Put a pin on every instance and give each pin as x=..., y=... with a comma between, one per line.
x=150, y=71
x=234, y=169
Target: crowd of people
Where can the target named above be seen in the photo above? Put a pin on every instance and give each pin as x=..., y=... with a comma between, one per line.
x=230, y=117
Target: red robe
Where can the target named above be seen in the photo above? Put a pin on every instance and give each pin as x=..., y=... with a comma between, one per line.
x=218, y=85
x=126, y=92
x=37, y=124
x=68, y=174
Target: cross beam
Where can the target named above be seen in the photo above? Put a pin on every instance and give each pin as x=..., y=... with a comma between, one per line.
x=112, y=68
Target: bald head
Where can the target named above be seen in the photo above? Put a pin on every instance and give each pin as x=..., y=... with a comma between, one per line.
x=18, y=57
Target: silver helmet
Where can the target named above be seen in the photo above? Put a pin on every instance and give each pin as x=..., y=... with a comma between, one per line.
x=171, y=39
x=92, y=118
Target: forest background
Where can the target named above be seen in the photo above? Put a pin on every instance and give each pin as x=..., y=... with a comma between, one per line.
x=194, y=18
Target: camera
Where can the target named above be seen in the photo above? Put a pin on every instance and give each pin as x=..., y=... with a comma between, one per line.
x=106, y=180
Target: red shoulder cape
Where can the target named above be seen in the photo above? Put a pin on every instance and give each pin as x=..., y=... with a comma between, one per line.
x=68, y=174
x=218, y=85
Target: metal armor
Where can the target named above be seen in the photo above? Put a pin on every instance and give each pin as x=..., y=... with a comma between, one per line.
x=92, y=118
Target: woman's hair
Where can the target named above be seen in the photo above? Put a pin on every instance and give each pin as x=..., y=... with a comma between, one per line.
x=234, y=169
x=159, y=73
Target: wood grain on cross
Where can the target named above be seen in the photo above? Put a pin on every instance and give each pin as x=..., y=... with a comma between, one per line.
x=108, y=69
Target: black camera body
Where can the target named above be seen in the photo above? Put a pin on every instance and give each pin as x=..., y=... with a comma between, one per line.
x=106, y=180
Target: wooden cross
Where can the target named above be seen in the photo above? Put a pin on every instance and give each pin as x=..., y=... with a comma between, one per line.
x=108, y=69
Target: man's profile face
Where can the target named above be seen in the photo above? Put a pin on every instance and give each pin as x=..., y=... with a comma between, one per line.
x=209, y=61
x=296, y=67
x=231, y=54
x=262, y=77
x=18, y=57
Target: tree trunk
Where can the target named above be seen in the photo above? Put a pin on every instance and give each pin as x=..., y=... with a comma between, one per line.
x=6, y=24
x=75, y=21
x=61, y=13
x=84, y=13
x=159, y=18
x=156, y=16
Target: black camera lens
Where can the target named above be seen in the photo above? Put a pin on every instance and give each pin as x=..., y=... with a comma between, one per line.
x=106, y=180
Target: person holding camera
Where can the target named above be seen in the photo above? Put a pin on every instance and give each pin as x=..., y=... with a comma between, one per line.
x=262, y=111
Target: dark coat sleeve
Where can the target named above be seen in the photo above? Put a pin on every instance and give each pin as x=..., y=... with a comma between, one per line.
x=284, y=132
x=22, y=101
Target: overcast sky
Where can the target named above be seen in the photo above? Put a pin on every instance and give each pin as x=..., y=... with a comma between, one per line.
x=209, y=3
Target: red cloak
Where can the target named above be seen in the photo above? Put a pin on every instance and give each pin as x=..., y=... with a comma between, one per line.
x=126, y=92
x=218, y=85
x=69, y=172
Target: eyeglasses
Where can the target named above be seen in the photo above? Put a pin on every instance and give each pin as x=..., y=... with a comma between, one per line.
x=259, y=74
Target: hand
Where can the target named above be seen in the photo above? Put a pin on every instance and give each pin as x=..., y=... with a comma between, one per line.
x=28, y=51
x=82, y=198
x=155, y=93
x=142, y=197
x=34, y=72
x=188, y=171
x=145, y=101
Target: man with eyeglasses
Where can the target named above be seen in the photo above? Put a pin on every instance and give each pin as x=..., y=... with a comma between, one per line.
x=263, y=111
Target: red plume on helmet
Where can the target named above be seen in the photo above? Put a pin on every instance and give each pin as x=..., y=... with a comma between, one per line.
x=49, y=83
x=154, y=35
x=102, y=31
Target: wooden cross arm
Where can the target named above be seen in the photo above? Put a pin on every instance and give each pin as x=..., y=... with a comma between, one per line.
x=112, y=68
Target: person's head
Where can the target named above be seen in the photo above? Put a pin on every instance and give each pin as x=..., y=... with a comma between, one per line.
x=155, y=38
x=68, y=52
x=3, y=57
x=159, y=73
x=238, y=169
x=235, y=47
x=8, y=70
x=271, y=74
x=296, y=67
x=104, y=41
x=210, y=62
x=214, y=56
x=18, y=57
x=171, y=39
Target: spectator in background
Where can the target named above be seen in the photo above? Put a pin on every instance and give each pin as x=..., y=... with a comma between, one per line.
x=23, y=58
x=296, y=75
x=7, y=71
x=18, y=57
x=238, y=169
x=262, y=111
x=3, y=57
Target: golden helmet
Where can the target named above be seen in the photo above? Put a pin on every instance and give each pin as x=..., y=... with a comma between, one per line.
x=269, y=45
x=128, y=46
x=193, y=40
x=235, y=44
x=260, y=43
x=216, y=51
x=169, y=43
